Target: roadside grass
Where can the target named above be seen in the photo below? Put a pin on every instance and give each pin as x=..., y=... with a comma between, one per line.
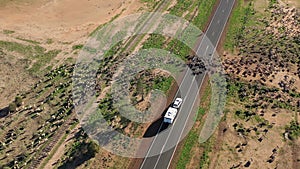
x=238, y=20
x=26, y=50
x=143, y=87
x=42, y=60
x=179, y=49
x=185, y=156
x=175, y=46
x=205, y=8
x=79, y=46
x=204, y=160
x=191, y=140
x=154, y=41
x=121, y=162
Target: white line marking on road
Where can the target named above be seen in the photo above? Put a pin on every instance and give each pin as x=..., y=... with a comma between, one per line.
x=172, y=127
x=151, y=145
x=162, y=124
x=224, y=26
x=206, y=50
x=204, y=75
x=209, y=26
x=193, y=78
x=185, y=124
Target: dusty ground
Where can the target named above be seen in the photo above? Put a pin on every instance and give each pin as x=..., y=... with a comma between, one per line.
x=53, y=25
x=236, y=150
x=59, y=24
x=265, y=146
x=295, y=3
x=60, y=150
x=63, y=20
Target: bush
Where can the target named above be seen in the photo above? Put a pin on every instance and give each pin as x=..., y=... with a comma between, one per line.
x=93, y=148
x=293, y=129
x=18, y=101
x=12, y=107
x=80, y=46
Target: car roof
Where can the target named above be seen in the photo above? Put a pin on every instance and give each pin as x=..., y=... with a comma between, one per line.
x=171, y=113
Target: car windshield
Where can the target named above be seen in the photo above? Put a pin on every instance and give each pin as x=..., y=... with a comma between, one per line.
x=167, y=120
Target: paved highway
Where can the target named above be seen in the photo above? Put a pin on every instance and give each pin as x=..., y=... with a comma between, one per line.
x=167, y=142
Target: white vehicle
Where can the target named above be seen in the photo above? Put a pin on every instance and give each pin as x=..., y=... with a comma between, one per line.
x=177, y=103
x=170, y=115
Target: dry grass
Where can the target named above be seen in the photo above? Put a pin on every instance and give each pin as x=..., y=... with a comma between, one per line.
x=257, y=140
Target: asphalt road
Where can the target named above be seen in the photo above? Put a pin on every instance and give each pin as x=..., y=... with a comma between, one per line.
x=166, y=142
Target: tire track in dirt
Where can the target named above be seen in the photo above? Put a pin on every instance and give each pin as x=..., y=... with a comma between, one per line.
x=40, y=156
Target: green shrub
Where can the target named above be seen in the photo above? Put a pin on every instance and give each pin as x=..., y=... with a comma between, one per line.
x=80, y=46
x=12, y=107
x=18, y=101
x=293, y=129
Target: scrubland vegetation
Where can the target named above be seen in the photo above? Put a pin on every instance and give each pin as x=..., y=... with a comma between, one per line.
x=41, y=118
x=261, y=59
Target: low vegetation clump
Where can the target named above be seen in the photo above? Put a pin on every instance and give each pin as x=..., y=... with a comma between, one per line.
x=38, y=124
x=37, y=58
x=151, y=4
x=149, y=80
x=181, y=7
x=261, y=62
x=112, y=115
x=81, y=150
x=293, y=130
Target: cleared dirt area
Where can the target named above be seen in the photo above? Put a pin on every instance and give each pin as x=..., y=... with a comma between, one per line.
x=53, y=25
x=63, y=20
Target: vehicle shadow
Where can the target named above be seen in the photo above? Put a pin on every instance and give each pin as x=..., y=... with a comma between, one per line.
x=157, y=126
x=4, y=112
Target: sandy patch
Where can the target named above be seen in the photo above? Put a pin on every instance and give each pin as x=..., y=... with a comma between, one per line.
x=63, y=20
x=236, y=151
x=54, y=25
x=295, y=3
